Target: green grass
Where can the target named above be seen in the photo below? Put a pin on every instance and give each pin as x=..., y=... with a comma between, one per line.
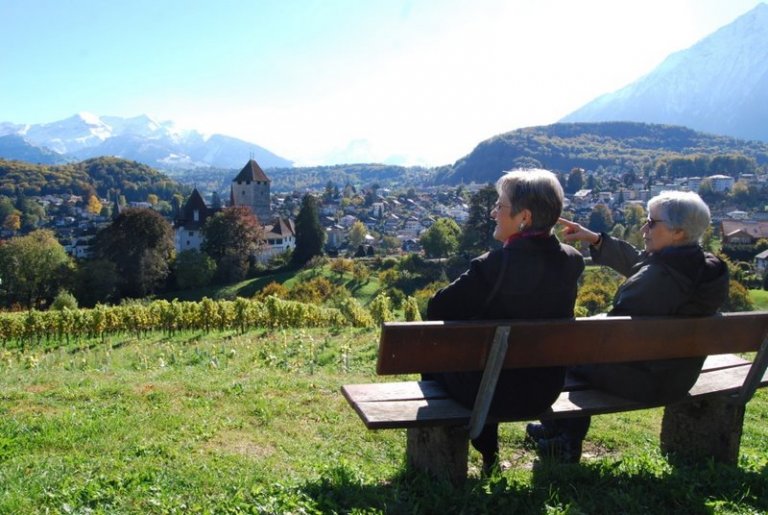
x=759, y=298
x=255, y=423
x=364, y=292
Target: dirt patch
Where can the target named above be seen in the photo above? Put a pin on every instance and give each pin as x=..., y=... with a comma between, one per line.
x=238, y=442
x=38, y=388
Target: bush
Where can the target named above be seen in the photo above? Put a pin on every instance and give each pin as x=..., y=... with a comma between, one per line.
x=380, y=309
x=411, y=310
x=64, y=300
x=738, y=298
x=272, y=289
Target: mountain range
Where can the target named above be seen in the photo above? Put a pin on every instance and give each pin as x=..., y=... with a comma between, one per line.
x=157, y=144
x=719, y=85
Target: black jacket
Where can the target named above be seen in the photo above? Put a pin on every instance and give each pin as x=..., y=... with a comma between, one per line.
x=538, y=281
x=677, y=281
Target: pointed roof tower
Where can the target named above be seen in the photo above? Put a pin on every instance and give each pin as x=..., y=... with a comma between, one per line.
x=252, y=172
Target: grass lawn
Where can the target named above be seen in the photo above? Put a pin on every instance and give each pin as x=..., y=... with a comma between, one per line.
x=759, y=298
x=255, y=423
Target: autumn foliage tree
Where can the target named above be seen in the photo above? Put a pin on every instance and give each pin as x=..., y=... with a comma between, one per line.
x=232, y=237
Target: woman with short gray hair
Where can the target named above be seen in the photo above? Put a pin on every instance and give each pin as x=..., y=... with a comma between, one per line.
x=682, y=210
x=532, y=276
x=673, y=276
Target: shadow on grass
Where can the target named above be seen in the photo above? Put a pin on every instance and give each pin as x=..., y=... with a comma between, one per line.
x=624, y=486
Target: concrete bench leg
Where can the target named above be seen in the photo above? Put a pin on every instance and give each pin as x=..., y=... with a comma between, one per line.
x=703, y=428
x=440, y=451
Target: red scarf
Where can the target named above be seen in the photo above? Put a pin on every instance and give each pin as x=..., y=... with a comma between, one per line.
x=526, y=234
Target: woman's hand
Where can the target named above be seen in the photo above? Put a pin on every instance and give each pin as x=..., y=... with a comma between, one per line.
x=577, y=232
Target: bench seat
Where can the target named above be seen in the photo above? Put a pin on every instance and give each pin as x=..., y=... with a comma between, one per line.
x=425, y=403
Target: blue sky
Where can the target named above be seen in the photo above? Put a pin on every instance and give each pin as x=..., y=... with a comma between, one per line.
x=336, y=81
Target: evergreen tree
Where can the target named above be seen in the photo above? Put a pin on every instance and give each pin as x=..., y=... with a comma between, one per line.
x=477, y=237
x=310, y=235
x=575, y=180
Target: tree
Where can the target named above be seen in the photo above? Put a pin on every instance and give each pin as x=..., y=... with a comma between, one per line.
x=390, y=244
x=442, y=239
x=33, y=268
x=193, y=269
x=231, y=237
x=357, y=234
x=6, y=207
x=94, y=205
x=140, y=244
x=575, y=180
x=478, y=230
x=12, y=222
x=600, y=219
x=310, y=235
x=96, y=281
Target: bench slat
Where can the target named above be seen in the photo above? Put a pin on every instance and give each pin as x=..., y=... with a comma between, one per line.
x=379, y=406
x=462, y=346
x=718, y=362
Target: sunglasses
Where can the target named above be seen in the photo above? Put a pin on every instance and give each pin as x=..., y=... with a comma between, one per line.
x=651, y=223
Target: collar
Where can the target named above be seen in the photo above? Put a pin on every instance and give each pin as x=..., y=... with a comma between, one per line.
x=525, y=234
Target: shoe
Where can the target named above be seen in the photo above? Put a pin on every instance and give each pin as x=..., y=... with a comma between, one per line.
x=536, y=432
x=560, y=449
x=491, y=465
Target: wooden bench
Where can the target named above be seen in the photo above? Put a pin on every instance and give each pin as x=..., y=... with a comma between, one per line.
x=708, y=421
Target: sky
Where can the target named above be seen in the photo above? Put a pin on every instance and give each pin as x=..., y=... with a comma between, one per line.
x=411, y=82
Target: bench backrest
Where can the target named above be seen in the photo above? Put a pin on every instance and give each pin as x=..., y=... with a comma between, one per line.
x=417, y=347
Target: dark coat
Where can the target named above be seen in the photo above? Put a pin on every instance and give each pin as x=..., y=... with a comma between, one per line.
x=677, y=281
x=539, y=281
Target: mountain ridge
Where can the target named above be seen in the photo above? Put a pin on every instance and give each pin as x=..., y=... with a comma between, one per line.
x=718, y=85
x=140, y=138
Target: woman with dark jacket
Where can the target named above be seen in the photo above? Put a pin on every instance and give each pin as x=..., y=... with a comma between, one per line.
x=532, y=276
x=672, y=277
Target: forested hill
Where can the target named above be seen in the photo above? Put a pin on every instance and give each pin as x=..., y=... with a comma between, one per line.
x=625, y=146
x=103, y=175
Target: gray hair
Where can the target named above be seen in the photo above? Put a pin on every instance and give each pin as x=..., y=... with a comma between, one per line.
x=536, y=190
x=683, y=210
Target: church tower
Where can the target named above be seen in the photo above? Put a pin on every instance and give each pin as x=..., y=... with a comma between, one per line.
x=251, y=189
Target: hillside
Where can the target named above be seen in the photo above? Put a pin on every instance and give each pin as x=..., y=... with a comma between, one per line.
x=104, y=175
x=592, y=146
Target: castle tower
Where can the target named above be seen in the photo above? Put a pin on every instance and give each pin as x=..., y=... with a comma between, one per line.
x=251, y=189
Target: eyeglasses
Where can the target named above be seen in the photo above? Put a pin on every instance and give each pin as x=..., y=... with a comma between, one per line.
x=651, y=223
x=498, y=205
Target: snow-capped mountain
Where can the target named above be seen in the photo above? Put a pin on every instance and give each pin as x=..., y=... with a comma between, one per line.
x=719, y=85
x=159, y=144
